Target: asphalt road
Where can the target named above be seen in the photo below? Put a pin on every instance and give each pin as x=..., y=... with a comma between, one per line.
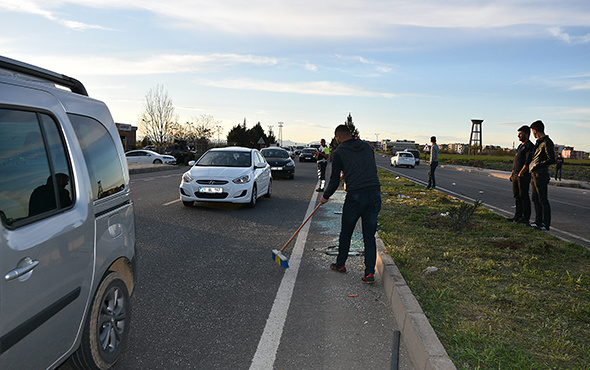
x=206, y=285
x=570, y=207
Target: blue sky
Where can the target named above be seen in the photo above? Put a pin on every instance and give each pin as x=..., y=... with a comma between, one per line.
x=404, y=69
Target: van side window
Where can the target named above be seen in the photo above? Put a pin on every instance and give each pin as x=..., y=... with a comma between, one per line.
x=35, y=175
x=100, y=153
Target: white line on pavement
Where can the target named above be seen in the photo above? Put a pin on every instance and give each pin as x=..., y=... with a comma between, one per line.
x=268, y=346
x=174, y=201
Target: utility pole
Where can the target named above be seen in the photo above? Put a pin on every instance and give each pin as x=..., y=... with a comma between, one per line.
x=280, y=133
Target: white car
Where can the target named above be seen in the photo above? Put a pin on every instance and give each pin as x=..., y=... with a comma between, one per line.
x=148, y=156
x=403, y=159
x=232, y=174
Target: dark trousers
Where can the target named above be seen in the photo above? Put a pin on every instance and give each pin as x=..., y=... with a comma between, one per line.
x=431, y=179
x=558, y=172
x=520, y=190
x=366, y=206
x=539, y=183
x=322, y=170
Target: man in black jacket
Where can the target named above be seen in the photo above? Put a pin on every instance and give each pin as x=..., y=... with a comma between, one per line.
x=543, y=157
x=356, y=160
x=521, y=177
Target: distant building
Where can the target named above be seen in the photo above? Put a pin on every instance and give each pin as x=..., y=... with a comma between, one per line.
x=574, y=154
x=127, y=133
x=458, y=147
x=400, y=145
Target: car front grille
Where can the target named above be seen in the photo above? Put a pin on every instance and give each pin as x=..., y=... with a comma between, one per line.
x=212, y=182
x=211, y=195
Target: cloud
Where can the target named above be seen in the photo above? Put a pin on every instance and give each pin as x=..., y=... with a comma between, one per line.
x=326, y=88
x=558, y=33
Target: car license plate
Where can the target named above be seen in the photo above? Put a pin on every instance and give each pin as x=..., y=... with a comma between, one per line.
x=276, y=168
x=210, y=190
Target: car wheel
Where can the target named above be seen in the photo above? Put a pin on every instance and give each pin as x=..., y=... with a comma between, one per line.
x=411, y=166
x=188, y=203
x=269, y=190
x=300, y=160
x=253, y=198
x=391, y=164
x=292, y=176
x=107, y=325
x=157, y=161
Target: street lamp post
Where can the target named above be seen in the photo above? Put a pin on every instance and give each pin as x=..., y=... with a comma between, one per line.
x=281, y=133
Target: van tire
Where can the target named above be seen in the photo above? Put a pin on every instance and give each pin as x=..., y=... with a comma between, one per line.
x=111, y=293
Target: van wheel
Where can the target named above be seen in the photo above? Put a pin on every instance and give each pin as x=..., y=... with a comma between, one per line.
x=253, y=198
x=107, y=326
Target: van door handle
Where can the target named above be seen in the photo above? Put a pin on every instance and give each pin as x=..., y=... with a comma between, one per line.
x=26, y=265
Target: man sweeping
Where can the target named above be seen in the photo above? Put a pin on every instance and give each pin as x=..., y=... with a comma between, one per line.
x=356, y=160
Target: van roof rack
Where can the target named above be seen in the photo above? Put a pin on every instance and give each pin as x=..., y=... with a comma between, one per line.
x=30, y=70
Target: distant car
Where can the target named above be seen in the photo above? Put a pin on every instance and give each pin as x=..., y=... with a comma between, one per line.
x=279, y=161
x=298, y=149
x=415, y=153
x=403, y=159
x=308, y=154
x=148, y=156
x=232, y=174
x=289, y=150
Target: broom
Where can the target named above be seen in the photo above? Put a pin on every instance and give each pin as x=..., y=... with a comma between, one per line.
x=278, y=256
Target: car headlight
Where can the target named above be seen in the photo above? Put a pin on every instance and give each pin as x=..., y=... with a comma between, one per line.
x=290, y=164
x=187, y=177
x=242, y=179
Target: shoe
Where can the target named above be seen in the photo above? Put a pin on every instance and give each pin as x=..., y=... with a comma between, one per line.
x=541, y=227
x=369, y=279
x=335, y=267
x=513, y=219
x=319, y=189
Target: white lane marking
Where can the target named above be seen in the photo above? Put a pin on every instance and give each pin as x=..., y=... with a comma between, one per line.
x=268, y=346
x=174, y=201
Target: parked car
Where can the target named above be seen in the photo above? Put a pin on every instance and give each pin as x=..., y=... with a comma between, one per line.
x=280, y=162
x=403, y=159
x=298, y=149
x=67, y=230
x=232, y=174
x=308, y=154
x=415, y=153
x=148, y=157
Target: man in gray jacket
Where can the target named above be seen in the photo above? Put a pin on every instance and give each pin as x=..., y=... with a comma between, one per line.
x=356, y=160
x=543, y=157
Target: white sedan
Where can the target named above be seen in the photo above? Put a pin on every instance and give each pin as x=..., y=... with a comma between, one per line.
x=403, y=159
x=232, y=174
x=148, y=156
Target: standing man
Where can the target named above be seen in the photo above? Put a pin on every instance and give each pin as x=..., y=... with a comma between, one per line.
x=356, y=160
x=543, y=157
x=322, y=160
x=521, y=177
x=558, y=163
x=433, y=164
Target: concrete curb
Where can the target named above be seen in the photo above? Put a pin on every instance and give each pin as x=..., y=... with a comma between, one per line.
x=426, y=350
x=145, y=168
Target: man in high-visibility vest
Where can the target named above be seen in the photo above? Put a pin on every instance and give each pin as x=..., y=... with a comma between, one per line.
x=323, y=155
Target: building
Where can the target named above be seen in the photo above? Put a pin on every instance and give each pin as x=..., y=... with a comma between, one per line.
x=127, y=133
x=400, y=145
x=574, y=154
x=458, y=148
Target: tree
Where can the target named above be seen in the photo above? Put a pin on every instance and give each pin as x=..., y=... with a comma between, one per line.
x=350, y=124
x=238, y=135
x=158, y=121
x=255, y=133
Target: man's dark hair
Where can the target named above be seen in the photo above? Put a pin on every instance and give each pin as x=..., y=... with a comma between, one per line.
x=526, y=129
x=538, y=126
x=433, y=139
x=342, y=130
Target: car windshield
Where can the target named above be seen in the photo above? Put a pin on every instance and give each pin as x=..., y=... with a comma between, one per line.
x=308, y=150
x=275, y=153
x=225, y=159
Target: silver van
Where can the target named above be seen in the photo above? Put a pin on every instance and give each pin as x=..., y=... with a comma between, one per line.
x=67, y=230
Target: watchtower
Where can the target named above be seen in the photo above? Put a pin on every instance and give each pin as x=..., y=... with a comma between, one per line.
x=475, y=138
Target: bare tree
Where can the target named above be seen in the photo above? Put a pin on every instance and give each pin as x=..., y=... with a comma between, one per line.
x=158, y=121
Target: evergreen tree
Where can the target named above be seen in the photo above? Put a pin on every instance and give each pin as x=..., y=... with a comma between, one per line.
x=350, y=124
x=238, y=136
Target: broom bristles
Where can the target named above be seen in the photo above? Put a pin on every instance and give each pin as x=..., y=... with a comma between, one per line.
x=280, y=258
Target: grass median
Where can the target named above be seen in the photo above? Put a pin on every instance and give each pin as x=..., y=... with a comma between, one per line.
x=499, y=295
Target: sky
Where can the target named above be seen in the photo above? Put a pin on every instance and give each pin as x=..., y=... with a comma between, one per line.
x=404, y=69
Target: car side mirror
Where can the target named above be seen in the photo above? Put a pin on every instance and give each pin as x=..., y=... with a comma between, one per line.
x=261, y=165
x=191, y=163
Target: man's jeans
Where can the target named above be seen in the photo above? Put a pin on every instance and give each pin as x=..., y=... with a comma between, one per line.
x=539, y=183
x=431, y=179
x=520, y=190
x=366, y=206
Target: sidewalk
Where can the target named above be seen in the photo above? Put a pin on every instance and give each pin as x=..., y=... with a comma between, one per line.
x=135, y=168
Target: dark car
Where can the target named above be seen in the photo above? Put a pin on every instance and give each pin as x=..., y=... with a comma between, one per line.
x=308, y=154
x=415, y=153
x=280, y=162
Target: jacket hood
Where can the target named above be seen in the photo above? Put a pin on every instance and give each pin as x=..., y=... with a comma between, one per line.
x=354, y=145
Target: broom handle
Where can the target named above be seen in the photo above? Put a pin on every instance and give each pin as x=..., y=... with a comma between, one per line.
x=300, y=227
